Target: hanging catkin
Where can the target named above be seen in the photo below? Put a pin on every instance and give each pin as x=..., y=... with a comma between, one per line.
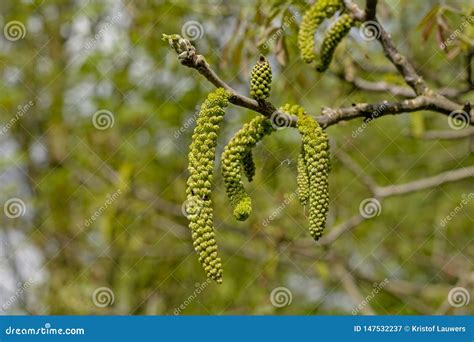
x=316, y=160
x=313, y=17
x=199, y=184
x=332, y=38
x=302, y=179
x=249, y=165
x=232, y=162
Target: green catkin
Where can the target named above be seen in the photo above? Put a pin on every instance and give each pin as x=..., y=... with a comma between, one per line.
x=313, y=17
x=248, y=165
x=332, y=38
x=302, y=179
x=261, y=79
x=316, y=160
x=199, y=184
x=232, y=163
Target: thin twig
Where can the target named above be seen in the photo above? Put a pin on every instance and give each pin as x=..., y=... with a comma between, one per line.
x=448, y=135
x=426, y=183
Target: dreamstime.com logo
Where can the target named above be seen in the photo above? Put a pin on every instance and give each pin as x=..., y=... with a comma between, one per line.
x=103, y=297
x=465, y=200
x=370, y=30
x=370, y=207
x=280, y=120
x=103, y=119
x=188, y=123
x=21, y=288
x=109, y=22
x=281, y=297
x=199, y=288
x=46, y=330
x=21, y=110
x=192, y=206
x=464, y=24
x=377, y=287
x=459, y=296
x=192, y=30
x=14, y=30
x=14, y=208
x=108, y=202
x=366, y=122
x=278, y=33
x=459, y=119
x=275, y=213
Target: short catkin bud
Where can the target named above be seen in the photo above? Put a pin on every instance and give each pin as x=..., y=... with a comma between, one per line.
x=315, y=146
x=201, y=165
x=313, y=17
x=233, y=162
x=332, y=38
x=261, y=79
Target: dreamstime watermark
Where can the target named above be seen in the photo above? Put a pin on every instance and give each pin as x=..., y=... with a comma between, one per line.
x=21, y=288
x=377, y=287
x=465, y=200
x=14, y=207
x=192, y=206
x=275, y=213
x=103, y=297
x=103, y=119
x=21, y=110
x=464, y=24
x=14, y=30
x=192, y=30
x=190, y=121
x=370, y=30
x=459, y=119
x=103, y=30
x=199, y=288
x=459, y=296
x=108, y=202
x=375, y=114
x=280, y=120
x=46, y=330
x=370, y=207
x=281, y=297
x=278, y=33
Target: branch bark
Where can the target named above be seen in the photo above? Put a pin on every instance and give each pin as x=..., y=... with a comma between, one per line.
x=330, y=116
x=370, y=9
x=426, y=183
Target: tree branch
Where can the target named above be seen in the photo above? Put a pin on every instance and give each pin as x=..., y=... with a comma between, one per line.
x=370, y=9
x=426, y=183
x=436, y=103
x=448, y=135
x=372, y=111
x=381, y=192
x=335, y=232
x=469, y=80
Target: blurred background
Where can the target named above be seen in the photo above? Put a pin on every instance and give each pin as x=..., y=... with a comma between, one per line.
x=96, y=115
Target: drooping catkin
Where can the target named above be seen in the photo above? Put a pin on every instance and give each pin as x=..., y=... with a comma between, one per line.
x=316, y=160
x=332, y=38
x=199, y=184
x=313, y=17
x=302, y=179
x=261, y=79
x=249, y=165
x=232, y=163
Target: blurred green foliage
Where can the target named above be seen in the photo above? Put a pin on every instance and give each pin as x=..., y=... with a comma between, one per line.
x=103, y=206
